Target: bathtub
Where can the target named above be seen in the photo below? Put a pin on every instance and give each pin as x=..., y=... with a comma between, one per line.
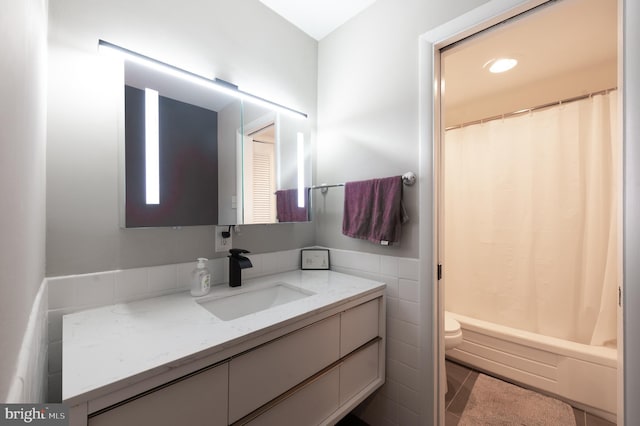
x=585, y=376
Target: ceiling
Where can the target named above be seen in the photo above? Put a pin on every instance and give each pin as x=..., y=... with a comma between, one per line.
x=317, y=18
x=564, y=50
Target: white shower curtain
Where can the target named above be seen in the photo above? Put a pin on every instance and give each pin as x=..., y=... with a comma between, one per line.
x=530, y=220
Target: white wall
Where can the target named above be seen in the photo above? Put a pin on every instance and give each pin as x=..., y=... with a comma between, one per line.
x=368, y=109
x=239, y=41
x=368, y=99
x=23, y=32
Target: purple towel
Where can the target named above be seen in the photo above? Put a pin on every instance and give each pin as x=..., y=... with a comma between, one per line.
x=373, y=210
x=287, y=209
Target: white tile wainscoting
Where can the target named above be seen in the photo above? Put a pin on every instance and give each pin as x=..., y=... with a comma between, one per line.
x=29, y=382
x=398, y=401
x=395, y=404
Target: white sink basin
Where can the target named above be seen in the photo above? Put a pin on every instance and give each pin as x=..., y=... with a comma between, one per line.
x=238, y=305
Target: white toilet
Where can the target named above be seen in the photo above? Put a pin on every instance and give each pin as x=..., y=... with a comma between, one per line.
x=452, y=338
x=452, y=332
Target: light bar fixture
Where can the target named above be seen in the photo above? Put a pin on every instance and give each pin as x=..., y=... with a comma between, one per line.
x=152, y=146
x=301, y=189
x=215, y=84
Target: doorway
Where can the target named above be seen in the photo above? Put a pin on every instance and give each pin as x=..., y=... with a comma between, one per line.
x=476, y=21
x=259, y=175
x=531, y=171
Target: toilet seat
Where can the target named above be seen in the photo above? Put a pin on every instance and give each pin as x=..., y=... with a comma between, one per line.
x=452, y=332
x=452, y=338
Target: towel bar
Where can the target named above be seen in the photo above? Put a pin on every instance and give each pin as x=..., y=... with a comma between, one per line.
x=408, y=179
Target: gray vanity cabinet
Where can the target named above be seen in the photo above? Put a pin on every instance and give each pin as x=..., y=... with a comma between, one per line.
x=262, y=374
x=346, y=353
x=313, y=374
x=197, y=399
x=310, y=405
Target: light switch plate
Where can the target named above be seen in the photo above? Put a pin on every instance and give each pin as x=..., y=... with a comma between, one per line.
x=223, y=244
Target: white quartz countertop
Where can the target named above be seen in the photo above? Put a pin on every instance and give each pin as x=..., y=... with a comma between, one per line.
x=109, y=347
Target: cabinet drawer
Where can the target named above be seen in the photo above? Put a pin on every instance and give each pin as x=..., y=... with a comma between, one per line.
x=308, y=406
x=266, y=372
x=357, y=371
x=358, y=326
x=197, y=400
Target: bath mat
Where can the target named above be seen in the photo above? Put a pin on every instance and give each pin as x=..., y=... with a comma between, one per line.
x=494, y=402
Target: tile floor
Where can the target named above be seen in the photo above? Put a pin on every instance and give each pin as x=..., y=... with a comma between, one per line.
x=461, y=379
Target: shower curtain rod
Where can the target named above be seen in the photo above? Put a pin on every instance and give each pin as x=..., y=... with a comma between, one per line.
x=535, y=108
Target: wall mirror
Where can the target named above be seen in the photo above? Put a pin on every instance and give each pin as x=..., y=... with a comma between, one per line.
x=276, y=167
x=177, y=179
x=214, y=158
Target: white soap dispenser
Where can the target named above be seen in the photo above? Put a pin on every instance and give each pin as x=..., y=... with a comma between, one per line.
x=200, y=279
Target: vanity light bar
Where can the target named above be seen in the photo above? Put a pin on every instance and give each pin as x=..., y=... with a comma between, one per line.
x=217, y=85
x=152, y=146
x=301, y=190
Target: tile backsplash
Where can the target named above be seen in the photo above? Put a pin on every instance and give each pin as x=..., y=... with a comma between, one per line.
x=398, y=400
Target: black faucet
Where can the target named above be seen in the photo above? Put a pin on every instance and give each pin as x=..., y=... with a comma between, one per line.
x=237, y=263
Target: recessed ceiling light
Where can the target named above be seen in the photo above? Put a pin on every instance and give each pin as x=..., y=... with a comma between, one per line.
x=501, y=65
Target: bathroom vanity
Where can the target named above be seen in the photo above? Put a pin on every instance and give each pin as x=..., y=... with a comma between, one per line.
x=302, y=347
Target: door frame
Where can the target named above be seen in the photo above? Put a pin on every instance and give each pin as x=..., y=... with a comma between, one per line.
x=430, y=128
